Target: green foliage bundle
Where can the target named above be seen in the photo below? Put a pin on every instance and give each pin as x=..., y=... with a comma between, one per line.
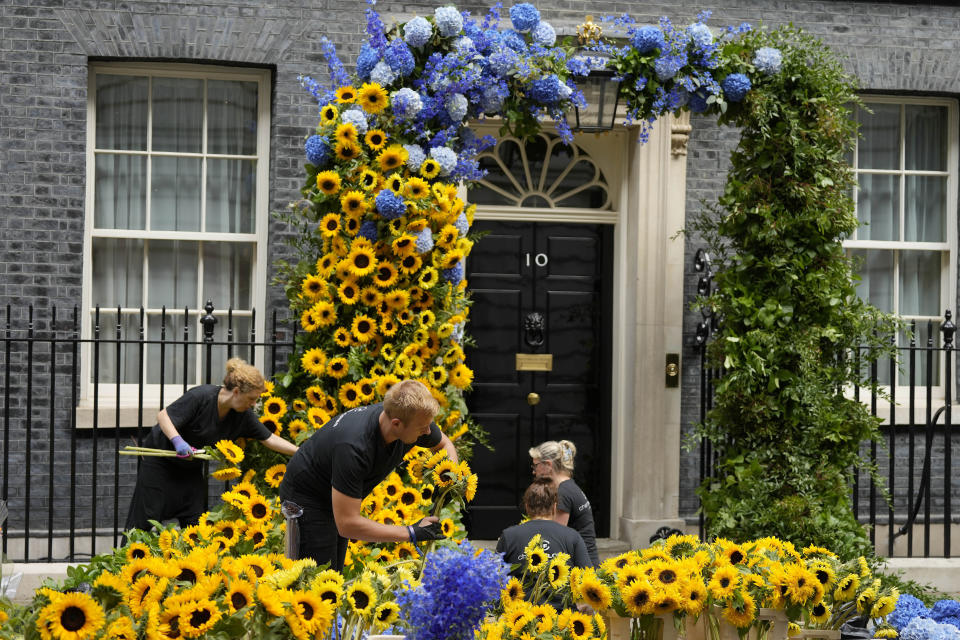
x=786, y=436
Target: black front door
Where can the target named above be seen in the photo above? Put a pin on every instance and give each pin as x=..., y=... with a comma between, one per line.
x=539, y=288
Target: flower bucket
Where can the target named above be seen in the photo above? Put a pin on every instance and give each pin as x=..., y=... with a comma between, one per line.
x=770, y=624
x=817, y=634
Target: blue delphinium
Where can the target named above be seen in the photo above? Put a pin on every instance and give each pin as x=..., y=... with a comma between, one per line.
x=768, y=60
x=677, y=97
x=368, y=230
x=454, y=274
x=338, y=74
x=646, y=39
x=544, y=34
x=367, y=60
x=700, y=34
x=667, y=65
x=356, y=117
x=390, y=205
x=317, y=150
x=524, y=16
x=398, y=56
x=457, y=588
x=445, y=157
x=382, y=74
x=457, y=107
x=415, y=156
x=943, y=609
x=424, y=241
x=908, y=607
x=449, y=21
x=417, y=32
x=735, y=86
x=405, y=103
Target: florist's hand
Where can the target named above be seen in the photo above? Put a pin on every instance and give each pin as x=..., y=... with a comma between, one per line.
x=184, y=450
x=427, y=529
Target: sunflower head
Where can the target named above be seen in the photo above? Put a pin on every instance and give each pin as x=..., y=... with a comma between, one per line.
x=392, y=157
x=372, y=97
x=430, y=169
x=346, y=150
x=328, y=182
x=346, y=95
x=328, y=115
x=375, y=139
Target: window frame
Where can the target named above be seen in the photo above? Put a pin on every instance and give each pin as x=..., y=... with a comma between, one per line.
x=948, y=249
x=128, y=392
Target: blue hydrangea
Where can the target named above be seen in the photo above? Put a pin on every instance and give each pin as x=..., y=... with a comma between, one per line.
x=767, y=60
x=735, y=86
x=449, y=21
x=929, y=629
x=445, y=157
x=514, y=40
x=398, y=56
x=700, y=34
x=492, y=100
x=367, y=60
x=908, y=607
x=457, y=107
x=944, y=609
x=357, y=118
x=417, y=32
x=424, y=241
x=317, y=150
x=406, y=103
x=462, y=224
x=463, y=44
x=646, y=39
x=677, y=97
x=390, y=205
x=953, y=621
x=454, y=274
x=415, y=156
x=458, y=329
x=524, y=16
x=368, y=230
x=546, y=90
x=667, y=65
x=382, y=74
x=698, y=101
x=503, y=61
x=544, y=34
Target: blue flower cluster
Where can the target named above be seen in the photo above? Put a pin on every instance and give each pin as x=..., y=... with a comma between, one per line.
x=417, y=32
x=368, y=230
x=768, y=60
x=915, y=622
x=524, y=16
x=457, y=588
x=317, y=150
x=929, y=629
x=735, y=86
x=424, y=241
x=390, y=205
x=357, y=118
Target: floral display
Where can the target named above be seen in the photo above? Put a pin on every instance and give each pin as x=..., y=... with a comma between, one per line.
x=914, y=621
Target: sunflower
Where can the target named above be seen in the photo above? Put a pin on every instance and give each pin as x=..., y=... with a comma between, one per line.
x=314, y=395
x=429, y=278
x=846, y=588
x=693, y=596
x=385, y=275
x=372, y=97
x=724, y=582
x=198, y=616
x=342, y=337
x=324, y=313
x=346, y=94
x=353, y=203
x=386, y=614
x=137, y=550
x=445, y=473
x=801, y=583
x=351, y=225
x=385, y=382
x=361, y=597
x=865, y=600
x=328, y=115
x=71, y=616
x=595, y=593
x=370, y=297
x=375, y=139
x=329, y=591
x=366, y=388
x=239, y=595
x=345, y=150
x=328, y=182
x=397, y=299
x=273, y=475
x=143, y=592
x=392, y=158
x=741, y=615
x=512, y=592
x=348, y=292
x=579, y=625
x=312, y=611
x=364, y=328
x=296, y=426
x=313, y=361
x=349, y=395
x=272, y=406
x=395, y=183
x=404, y=245
x=362, y=261
x=559, y=570
x=227, y=473
x=473, y=480
x=337, y=368
x=388, y=327
x=258, y=509
x=410, y=264
x=447, y=236
x=461, y=376
x=317, y=417
x=368, y=180
x=430, y=169
x=884, y=606
x=257, y=533
x=416, y=189
x=450, y=259
x=312, y=286
x=820, y=613
x=346, y=132
x=119, y=629
x=330, y=225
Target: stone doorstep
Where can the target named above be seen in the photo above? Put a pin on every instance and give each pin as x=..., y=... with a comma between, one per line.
x=943, y=573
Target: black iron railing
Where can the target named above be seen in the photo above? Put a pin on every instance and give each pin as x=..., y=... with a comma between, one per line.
x=915, y=458
x=64, y=481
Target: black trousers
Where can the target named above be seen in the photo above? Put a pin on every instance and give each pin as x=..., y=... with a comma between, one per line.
x=319, y=538
x=167, y=491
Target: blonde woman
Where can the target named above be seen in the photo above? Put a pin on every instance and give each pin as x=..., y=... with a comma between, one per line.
x=175, y=488
x=554, y=460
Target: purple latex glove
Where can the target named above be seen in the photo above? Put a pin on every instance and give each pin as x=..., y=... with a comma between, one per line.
x=184, y=450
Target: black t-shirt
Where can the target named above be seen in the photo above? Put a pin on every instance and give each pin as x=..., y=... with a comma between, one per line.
x=348, y=454
x=554, y=538
x=196, y=418
x=572, y=500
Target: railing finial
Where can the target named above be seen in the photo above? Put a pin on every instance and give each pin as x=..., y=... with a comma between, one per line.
x=208, y=321
x=948, y=329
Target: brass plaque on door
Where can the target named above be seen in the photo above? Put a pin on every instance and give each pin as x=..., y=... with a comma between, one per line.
x=534, y=362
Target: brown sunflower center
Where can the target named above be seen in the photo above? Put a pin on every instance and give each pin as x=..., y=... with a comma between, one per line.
x=200, y=617
x=724, y=582
x=73, y=618
x=259, y=511
x=137, y=553
x=667, y=576
x=187, y=575
x=736, y=557
x=363, y=326
x=361, y=599
x=238, y=600
x=823, y=576
x=307, y=610
x=329, y=596
x=257, y=570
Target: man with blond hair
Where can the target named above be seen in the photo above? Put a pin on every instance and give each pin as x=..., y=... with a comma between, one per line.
x=340, y=464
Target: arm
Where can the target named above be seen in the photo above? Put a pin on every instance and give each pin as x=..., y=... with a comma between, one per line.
x=447, y=444
x=350, y=524
x=166, y=425
x=280, y=445
x=561, y=517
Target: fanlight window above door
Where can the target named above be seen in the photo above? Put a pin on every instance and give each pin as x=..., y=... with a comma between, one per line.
x=543, y=173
